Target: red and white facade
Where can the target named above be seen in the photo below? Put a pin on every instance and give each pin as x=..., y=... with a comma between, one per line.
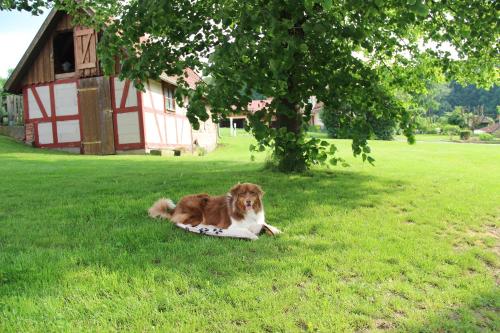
x=52, y=114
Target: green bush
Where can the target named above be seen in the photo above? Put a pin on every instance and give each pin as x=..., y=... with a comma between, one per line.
x=451, y=129
x=486, y=137
x=465, y=134
x=314, y=128
x=432, y=130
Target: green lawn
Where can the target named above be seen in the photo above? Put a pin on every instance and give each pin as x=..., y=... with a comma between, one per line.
x=411, y=244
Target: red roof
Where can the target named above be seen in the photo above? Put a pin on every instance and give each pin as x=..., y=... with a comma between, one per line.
x=192, y=78
x=258, y=104
x=490, y=129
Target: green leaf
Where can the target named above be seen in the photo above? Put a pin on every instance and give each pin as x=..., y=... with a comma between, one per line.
x=327, y=4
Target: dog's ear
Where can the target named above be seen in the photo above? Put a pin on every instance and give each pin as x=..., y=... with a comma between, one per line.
x=234, y=190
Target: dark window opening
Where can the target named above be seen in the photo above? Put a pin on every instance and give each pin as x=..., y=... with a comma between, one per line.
x=64, y=54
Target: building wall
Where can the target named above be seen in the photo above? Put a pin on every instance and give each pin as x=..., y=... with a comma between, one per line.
x=316, y=120
x=164, y=129
x=41, y=69
x=53, y=118
x=127, y=115
x=206, y=135
x=51, y=114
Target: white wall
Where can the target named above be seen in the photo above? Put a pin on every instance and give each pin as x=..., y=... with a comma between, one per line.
x=128, y=127
x=66, y=98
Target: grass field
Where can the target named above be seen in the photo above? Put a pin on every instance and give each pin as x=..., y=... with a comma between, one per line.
x=410, y=245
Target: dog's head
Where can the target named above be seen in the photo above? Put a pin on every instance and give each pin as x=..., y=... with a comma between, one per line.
x=247, y=197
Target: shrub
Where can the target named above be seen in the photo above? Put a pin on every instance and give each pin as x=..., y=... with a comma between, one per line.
x=486, y=137
x=432, y=130
x=314, y=128
x=384, y=129
x=465, y=134
x=451, y=129
x=426, y=126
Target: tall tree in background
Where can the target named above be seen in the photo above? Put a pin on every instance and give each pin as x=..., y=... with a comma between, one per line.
x=350, y=52
x=473, y=98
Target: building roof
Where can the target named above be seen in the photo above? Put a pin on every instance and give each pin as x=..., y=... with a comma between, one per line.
x=491, y=128
x=258, y=104
x=191, y=78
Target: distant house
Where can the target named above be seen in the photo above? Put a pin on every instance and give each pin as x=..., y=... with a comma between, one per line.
x=239, y=120
x=480, y=121
x=315, y=115
x=493, y=129
x=70, y=104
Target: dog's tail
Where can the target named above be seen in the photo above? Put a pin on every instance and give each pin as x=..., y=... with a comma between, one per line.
x=163, y=209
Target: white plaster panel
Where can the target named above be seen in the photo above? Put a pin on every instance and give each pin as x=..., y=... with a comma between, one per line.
x=128, y=128
x=66, y=99
x=68, y=131
x=33, y=109
x=44, y=94
x=45, y=133
x=131, y=97
x=171, y=131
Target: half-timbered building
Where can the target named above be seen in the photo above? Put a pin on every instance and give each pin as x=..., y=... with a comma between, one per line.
x=70, y=104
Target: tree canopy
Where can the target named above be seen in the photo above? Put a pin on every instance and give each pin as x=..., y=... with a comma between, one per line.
x=353, y=54
x=473, y=98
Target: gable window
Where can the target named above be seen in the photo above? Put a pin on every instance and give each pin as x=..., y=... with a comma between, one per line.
x=168, y=95
x=64, y=56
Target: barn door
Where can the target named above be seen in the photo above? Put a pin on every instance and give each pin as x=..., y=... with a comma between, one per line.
x=97, y=116
x=85, y=51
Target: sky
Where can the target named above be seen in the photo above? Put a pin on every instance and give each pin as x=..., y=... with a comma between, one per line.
x=17, y=30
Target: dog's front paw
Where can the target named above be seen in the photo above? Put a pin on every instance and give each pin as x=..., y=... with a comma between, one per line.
x=252, y=236
x=273, y=231
x=277, y=231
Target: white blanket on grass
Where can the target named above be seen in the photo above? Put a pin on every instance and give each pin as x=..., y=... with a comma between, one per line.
x=234, y=232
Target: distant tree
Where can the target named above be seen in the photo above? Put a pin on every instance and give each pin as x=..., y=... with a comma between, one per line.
x=2, y=96
x=459, y=117
x=432, y=100
x=473, y=98
x=3, y=93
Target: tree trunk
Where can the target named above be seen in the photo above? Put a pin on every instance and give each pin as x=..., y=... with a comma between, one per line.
x=288, y=152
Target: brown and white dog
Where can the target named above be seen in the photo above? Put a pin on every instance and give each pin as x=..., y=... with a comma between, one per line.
x=239, y=213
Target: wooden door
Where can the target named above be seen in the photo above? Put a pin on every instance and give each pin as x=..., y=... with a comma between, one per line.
x=97, y=116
